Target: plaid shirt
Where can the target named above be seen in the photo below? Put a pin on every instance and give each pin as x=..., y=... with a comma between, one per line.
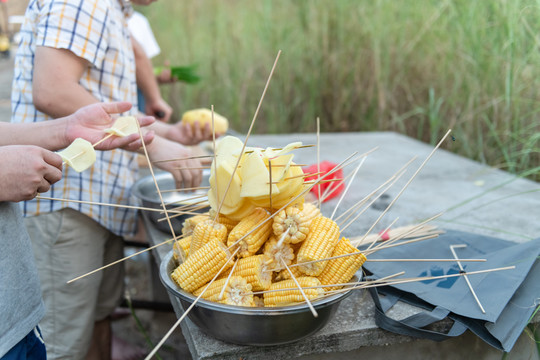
x=97, y=31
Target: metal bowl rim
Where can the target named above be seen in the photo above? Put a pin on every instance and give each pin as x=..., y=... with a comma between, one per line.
x=136, y=188
x=241, y=310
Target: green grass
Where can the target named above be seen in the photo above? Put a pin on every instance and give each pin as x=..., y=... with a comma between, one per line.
x=415, y=67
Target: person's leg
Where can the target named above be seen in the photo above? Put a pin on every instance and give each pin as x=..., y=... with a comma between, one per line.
x=31, y=347
x=67, y=244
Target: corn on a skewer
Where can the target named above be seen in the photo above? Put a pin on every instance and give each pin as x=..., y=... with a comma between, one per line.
x=275, y=252
x=222, y=219
x=322, y=238
x=255, y=271
x=251, y=240
x=190, y=223
x=204, y=231
x=341, y=270
x=202, y=265
x=290, y=296
x=237, y=292
x=296, y=221
x=181, y=248
x=285, y=274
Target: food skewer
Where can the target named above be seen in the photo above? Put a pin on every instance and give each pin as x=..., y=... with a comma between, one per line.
x=347, y=188
x=311, y=308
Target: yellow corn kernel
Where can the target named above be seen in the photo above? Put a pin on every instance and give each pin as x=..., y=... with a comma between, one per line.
x=255, y=271
x=204, y=231
x=252, y=232
x=237, y=291
x=341, y=270
x=285, y=274
x=322, y=238
x=275, y=254
x=296, y=221
x=292, y=294
x=190, y=223
x=229, y=223
x=181, y=248
x=201, y=266
x=258, y=300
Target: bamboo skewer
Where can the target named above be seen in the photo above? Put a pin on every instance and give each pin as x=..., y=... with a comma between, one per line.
x=313, y=311
x=347, y=188
x=452, y=248
x=186, y=189
x=220, y=297
x=248, y=133
x=123, y=259
x=185, y=158
x=168, y=334
x=157, y=186
x=408, y=182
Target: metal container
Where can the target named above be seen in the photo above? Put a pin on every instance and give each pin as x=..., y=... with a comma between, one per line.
x=252, y=326
x=145, y=190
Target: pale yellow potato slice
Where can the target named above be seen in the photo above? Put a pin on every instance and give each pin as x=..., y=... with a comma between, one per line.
x=255, y=176
x=80, y=155
x=124, y=126
x=204, y=116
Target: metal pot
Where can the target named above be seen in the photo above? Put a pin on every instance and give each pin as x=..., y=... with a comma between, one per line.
x=252, y=326
x=145, y=190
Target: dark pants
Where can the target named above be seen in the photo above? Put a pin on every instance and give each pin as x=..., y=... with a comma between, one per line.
x=31, y=347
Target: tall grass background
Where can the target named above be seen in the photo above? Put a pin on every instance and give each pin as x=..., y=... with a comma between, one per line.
x=414, y=67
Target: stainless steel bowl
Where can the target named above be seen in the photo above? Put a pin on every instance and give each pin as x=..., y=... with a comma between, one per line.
x=252, y=326
x=145, y=190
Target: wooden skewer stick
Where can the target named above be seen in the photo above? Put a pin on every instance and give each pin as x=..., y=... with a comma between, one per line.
x=261, y=292
x=122, y=259
x=99, y=203
x=275, y=149
x=193, y=167
x=323, y=181
x=270, y=183
x=347, y=188
x=313, y=311
x=367, y=197
x=227, y=281
x=168, y=334
x=427, y=237
x=331, y=189
x=385, y=231
x=452, y=248
x=214, y=163
x=248, y=133
x=407, y=184
x=185, y=158
x=186, y=189
x=410, y=232
x=157, y=186
x=319, y=161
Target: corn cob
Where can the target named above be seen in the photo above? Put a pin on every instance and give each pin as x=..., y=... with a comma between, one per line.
x=275, y=254
x=190, y=223
x=202, y=265
x=237, y=291
x=255, y=271
x=204, y=231
x=285, y=275
x=258, y=300
x=222, y=219
x=293, y=295
x=181, y=248
x=322, y=238
x=341, y=270
x=251, y=243
x=296, y=221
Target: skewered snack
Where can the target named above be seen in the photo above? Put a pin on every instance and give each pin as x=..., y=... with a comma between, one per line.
x=295, y=222
x=123, y=126
x=189, y=224
x=80, y=155
x=204, y=116
x=255, y=271
x=251, y=232
x=292, y=295
x=204, y=231
x=277, y=253
x=236, y=291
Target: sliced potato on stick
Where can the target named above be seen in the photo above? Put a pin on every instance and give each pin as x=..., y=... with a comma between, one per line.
x=124, y=126
x=80, y=155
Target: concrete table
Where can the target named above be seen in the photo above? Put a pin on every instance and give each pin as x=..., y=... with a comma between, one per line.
x=474, y=197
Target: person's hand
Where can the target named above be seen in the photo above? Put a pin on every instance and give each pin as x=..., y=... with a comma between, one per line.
x=187, y=172
x=90, y=121
x=160, y=109
x=27, y=170
x=188, y=134
x=165, y=75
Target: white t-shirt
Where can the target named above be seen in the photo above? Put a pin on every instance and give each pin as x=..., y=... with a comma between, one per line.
x=142, y=32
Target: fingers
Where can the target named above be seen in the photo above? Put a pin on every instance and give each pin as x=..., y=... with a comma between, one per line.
x=116, y=107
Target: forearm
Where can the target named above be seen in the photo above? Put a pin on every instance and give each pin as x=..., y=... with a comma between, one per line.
x=146, y=80
x=49, y=135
